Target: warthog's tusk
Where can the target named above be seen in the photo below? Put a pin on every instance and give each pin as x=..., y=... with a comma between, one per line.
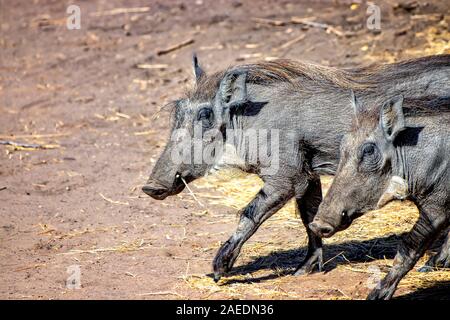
x=396, y=190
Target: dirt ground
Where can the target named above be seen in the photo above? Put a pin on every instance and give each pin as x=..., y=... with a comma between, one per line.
x=92, y=98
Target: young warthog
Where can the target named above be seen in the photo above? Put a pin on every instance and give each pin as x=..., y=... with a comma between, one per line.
x=282, y=120
x=395, y=153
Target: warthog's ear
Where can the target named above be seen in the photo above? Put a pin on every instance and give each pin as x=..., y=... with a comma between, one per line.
x=198, y=72
x=231, y=95
x=233, y=90
x=356, y=104
x=392, y=120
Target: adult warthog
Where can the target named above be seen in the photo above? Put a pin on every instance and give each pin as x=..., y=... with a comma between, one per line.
x=282, y=120
x=395, y=152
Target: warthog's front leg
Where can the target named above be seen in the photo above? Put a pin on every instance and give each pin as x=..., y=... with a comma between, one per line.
x=441, y=259
x=413, y=246
x=270, y=199
x=308, y=203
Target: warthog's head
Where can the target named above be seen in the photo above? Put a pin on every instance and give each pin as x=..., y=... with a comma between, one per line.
x=198, y=131
x=365, y=178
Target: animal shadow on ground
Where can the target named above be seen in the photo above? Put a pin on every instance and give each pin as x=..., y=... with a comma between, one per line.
x=334, y=255
x=438, y=291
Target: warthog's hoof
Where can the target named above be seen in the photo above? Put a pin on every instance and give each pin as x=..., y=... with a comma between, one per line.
x=217, y=277
x=219, y=273
x=224, y=260
x=381, y=293
x=312, y=263
x=219, y=270
x=440, y=260
x=304, y=269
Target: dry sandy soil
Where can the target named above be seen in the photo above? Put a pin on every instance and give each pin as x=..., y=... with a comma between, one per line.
x=84, y=96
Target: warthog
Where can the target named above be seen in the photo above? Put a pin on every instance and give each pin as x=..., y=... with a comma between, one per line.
x=395, y=152
x=282, y=120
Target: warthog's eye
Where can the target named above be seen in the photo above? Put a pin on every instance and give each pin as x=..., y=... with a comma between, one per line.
x=370, y=157
x=369, y=149
x=206, y=116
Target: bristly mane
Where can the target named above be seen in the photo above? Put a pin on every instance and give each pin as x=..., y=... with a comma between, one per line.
x=281, y=70
x=296, y=73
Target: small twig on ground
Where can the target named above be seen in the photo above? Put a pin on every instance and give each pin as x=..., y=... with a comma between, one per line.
x=309, y=23
x=161, y=293
x=20, y=144
x=430, y=17
x=357, y=270
x=3, y=188
x=151, y=66
x=187, y=270
x=120, y=11
x=122, y=115
x=35, y=136
x=276, y=23
x=190, y=258
x=120, y=248
x=331, y=259
x=144, y=133
x=345, y=258
x=304, y=21
x=293, y=41
x=175, y=47
x=28, y=145
x=343, y=293
x=34, y=103
x=114, y=202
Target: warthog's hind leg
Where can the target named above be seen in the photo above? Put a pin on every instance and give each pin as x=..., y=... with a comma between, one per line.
x=441, y=259
x=308, y=203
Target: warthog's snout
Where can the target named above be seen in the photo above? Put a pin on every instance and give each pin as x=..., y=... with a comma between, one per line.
x=321, y=228
x=156, y=190
x=160, y=190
